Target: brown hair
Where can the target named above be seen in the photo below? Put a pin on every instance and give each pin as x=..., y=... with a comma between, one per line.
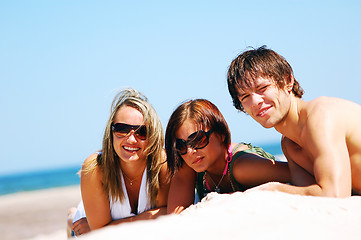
x=255, y=63
x=205, y=114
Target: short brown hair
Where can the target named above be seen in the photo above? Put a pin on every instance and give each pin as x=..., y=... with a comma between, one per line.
x=205, y=114
x=255, y=63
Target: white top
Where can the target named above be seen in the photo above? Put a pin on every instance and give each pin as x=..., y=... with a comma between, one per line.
x=119, y=210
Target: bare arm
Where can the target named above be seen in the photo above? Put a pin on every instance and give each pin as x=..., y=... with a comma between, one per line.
x=323, y=157
x=251, y=170
x=164, y=184
x=96, y=202
x=181, y=192
x=294, y=153
x=147, y=215
x=82, y=226
x=331, y=166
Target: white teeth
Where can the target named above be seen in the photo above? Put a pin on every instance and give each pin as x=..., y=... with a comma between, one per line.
x=262, y=112
x=131, y=149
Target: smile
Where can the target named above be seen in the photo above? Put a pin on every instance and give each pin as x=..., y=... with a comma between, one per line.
x=262, y=113
x=131, y=149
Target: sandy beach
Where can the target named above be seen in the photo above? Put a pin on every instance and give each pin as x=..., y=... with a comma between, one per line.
x=252, y=215
x=38, y=214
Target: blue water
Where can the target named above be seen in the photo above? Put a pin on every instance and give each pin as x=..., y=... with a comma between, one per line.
x=39, y=180
x=273, y=148
x=66, y=176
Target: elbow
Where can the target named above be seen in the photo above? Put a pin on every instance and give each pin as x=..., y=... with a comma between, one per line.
x=336, y=195
x=336, y=192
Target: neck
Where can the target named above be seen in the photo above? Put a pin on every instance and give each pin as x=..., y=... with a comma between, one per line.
x=218, y=167
x=134, y=169
x=290, y=125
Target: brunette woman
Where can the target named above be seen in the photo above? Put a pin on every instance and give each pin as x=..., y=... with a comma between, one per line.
x=200, y=155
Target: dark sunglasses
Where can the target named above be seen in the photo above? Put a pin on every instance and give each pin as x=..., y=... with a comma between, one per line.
x=196, y=140
x=121, y=130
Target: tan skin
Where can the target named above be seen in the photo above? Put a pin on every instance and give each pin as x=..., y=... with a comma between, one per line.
x=130, y=151
x=249, y=169
x=321, y=138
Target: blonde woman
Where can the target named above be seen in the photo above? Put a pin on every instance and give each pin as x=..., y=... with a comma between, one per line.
x=127, y=180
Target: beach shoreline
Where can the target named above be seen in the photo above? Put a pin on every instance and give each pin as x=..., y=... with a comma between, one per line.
x=32, y=214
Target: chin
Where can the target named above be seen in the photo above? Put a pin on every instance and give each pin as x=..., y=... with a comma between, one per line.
x=268, y=125
x=199, y=169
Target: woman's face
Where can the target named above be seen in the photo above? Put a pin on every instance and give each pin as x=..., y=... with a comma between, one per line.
x=129, y=148
x=205, y=158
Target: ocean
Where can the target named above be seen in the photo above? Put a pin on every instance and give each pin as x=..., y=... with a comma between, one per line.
x=61, y=177
x=36, y=180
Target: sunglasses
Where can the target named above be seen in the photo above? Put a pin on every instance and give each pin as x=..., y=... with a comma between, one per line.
x=122, y=130
x=196, y=140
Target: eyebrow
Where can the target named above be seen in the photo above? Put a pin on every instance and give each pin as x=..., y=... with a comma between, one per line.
x=241, y=92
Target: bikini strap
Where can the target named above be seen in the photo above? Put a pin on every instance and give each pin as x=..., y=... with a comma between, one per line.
x=238, y=145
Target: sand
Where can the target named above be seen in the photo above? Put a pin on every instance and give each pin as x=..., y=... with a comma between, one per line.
x=252, y=215
x=42, y=215
x=37, y=214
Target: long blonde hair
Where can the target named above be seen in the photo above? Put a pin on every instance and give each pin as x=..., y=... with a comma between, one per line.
x=109, y=162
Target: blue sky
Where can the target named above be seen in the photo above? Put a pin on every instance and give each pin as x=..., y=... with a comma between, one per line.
x=62, y=62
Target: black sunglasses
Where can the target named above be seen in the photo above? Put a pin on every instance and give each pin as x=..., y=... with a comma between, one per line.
x=196, y=140
x=121, y=130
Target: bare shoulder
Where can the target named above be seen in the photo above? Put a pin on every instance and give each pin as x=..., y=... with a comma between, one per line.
x=90, y=159
x=332, y=110
x=90, y=167
x=164, y=173
x=328, y=121
x=332, y=105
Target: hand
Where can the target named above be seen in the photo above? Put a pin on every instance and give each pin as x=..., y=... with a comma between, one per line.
x=152, y=214
x=270, y=186
x=80, y=227
x=178, y=209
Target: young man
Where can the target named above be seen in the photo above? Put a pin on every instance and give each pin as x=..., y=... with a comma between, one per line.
x=321, y=138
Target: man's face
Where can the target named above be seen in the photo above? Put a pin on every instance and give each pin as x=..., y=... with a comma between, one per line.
x=265, y=102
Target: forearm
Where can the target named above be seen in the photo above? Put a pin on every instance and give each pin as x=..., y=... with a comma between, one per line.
x=311, y=190
x=150, y=214
x=181, y=192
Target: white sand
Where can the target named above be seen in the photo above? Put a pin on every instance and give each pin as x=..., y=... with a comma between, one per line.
x=42, y=214
x=254, y=215
x=37, y=213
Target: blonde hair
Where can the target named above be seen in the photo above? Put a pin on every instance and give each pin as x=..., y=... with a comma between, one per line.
x=108, y=161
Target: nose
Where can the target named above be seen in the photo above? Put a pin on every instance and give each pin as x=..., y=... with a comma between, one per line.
x=131, y=136
x=190, y=149
x=256, y=99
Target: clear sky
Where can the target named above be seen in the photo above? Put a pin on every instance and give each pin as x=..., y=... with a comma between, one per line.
x=62, y=62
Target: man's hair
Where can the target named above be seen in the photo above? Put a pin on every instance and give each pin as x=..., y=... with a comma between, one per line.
x=256, y=63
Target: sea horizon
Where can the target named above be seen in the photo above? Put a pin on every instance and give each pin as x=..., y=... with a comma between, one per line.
x=67, y=176
x=39, y=179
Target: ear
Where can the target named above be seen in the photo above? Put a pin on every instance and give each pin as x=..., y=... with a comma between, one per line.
x=223, y=138
x=289, y=85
